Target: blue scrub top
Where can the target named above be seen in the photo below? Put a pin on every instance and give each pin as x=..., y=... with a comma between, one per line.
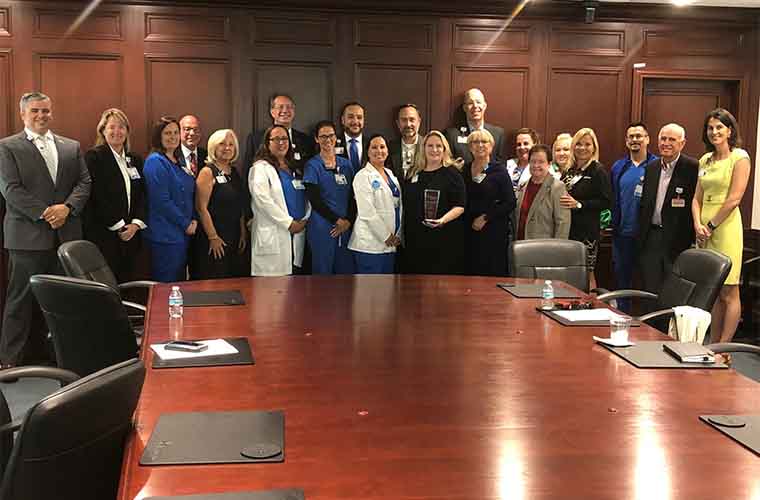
x=334, y=195
x=396, y=202
x=295, y=199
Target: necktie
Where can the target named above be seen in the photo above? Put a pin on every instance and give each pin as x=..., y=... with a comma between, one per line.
x=353, y=155
x=193, y=164
x=44, y=146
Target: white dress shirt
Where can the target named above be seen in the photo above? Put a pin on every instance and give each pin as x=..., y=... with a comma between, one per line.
x=186, y=155
x=46, y=146
x=358, y=146
x=666, y=173
x=122, y=161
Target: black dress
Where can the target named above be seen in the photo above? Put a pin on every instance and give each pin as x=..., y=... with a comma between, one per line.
x=439, y=250
x=486, y=250
x=226, y=205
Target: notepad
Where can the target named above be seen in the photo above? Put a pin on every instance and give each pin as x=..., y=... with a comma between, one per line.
x=689, y=352
x=216, y=347
x=600, y=314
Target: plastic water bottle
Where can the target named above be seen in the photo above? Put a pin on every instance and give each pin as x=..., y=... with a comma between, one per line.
x=547, y=295
x=175, y=303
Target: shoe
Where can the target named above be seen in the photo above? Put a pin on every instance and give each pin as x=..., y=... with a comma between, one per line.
x=6, y=366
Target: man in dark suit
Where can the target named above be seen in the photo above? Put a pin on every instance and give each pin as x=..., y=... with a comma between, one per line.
x=191, y=155
x=45, y=183
x=403, y=151
x=666, y=227
x=475, y=110
x=352, y=142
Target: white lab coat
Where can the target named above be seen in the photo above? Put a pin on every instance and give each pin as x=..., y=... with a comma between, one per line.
x=272, y=253
x=376, y=217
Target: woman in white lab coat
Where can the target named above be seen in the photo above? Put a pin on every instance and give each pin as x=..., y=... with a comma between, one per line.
x=379, y=213
x=278, y=199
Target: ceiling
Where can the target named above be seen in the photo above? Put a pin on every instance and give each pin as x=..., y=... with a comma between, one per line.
x=696, y=3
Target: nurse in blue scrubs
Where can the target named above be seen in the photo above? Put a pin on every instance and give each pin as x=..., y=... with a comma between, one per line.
x=378, y=219
x=328, y=180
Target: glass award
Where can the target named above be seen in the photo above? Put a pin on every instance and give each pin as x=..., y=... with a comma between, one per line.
x=432, y=196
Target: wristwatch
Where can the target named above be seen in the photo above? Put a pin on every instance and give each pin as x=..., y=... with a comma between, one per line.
x=578, y=205
x=70, y=207
x=711, y=226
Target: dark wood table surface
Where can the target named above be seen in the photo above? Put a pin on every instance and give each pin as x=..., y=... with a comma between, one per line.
x=409, y=387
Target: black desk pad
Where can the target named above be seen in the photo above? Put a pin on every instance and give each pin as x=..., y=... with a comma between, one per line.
x=533, y=291
x=291, y=494
x=747, y=436
x=650, y=354
x=214, y=437
x=244, y=356
x=566, y=322
x=216, y=298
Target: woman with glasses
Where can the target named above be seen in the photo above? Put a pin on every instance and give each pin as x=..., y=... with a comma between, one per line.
x=278, y=199
x=490, y=202
x=328, y=180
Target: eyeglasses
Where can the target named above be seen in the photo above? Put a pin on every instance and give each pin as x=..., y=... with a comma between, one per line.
x=279, y=140
x=284, y=107
x=326, y=137
x=480, y=142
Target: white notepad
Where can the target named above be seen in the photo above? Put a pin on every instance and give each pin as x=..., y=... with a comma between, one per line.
x=600, y=314
x=216, y=347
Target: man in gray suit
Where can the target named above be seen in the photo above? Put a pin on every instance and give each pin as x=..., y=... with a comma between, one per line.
x=45, y=183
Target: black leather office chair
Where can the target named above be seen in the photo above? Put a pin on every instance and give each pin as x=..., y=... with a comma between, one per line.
x=70, y=444
x=82, y=259
x=696, y=280
x=87, y=321
x=550, y=259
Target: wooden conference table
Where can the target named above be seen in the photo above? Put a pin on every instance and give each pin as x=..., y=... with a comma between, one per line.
x=440, y=388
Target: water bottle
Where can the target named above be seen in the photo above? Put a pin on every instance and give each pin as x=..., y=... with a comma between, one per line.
x=547, y=296
x=175, y=303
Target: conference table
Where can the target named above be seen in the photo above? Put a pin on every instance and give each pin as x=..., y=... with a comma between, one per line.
x=439, y=387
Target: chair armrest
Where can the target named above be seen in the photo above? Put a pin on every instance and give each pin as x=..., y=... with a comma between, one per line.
x=733, y=347
x=64, y=376
x=623, y=294
x=134, y=305
x=137, y=284
x=656, y=314
x=599, y=291
x=751, y=261
x=11, y=426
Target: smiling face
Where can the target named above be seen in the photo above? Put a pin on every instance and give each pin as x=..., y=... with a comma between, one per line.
x=408, y=123
x=326, y=139
x=378, y=151
x=481, y=148
x=283, y=111
x=717, y=133
x=523, y=143
x=115, y=133
x=279, y=142
x=190, y=129
x=37, y=116
x=475, y=106
x=225, y=150
x=539, y=166
x=670, y=142
x=353, y=120
x=636, y=139
x=170, y=137
x=584, y=150
x=561, y=152
x=434, y=150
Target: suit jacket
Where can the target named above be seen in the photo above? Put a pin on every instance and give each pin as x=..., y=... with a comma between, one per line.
x=341, y=148
x=202, y=155
x=677, y=222
x=28, y=190
x=394, y=156
x=461, y=150
x=546, y=218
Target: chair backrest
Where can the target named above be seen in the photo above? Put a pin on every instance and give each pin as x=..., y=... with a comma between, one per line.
x=550, y=259
x=70, y=445
x=82, y=259
x=696, y=279
x=88, y=322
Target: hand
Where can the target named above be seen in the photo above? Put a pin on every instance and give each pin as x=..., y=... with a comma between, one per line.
x=297, y=226
x=190, y=230
x=56, y=215
x=216, y=247
x=128, y=232
x=567, y=201
x=703, y=233
x=392, y=241
x=341, y=226
x=243, y=242
x=479, y=223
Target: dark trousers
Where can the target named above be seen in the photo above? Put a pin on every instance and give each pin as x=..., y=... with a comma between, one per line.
x=20, y=302
x=655, y=262
x=624, y=260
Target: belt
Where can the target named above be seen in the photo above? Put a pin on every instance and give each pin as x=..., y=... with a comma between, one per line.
x=656, y=226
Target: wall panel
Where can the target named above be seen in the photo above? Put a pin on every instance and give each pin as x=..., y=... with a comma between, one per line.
x=52, y=23
x=407, y=33
x=710, y=42
x=6, y=94
x=491, y=36
x=5, y=21
x=588, y=41
x=293, y=29
x=186, y=28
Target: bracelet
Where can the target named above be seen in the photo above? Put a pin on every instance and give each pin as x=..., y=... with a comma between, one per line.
x=711, y=226
x=215, y=237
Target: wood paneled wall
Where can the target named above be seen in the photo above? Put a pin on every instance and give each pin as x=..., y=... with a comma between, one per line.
x=545, y=69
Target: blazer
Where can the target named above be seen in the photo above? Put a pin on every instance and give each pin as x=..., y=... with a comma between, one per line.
x=341, y=148
x=107, y=206
x=202, y=155
x=677, y=222
x=28, y=190
x=171, y=196
x=546, y=217
x=376, y=213
x=593, y=190
x=394, y=156
x=460, y=149
x=271, y=251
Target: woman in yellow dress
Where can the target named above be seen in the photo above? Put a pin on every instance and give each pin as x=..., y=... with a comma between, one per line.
x=723, y=176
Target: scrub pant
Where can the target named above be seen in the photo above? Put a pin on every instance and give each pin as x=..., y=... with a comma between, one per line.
x=374, y=263
x=624, y=260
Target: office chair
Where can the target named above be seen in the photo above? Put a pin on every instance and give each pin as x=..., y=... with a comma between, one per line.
x=70, y=444
x=695, y=280
x=82, y=259
x=87, y=321
x=550, y=259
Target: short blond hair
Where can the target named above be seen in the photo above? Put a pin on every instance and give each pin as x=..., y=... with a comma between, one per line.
x=420, y=162
x=118, y=114
x=216, y=139
x=576, y=139
x=480, y=135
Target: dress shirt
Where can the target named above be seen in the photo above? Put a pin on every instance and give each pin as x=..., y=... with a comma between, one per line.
x=408, y=152
x=665, y=175
x=122, y=161
x=186, y=154
x=359, y=145
x=473, y=128
x=46, y=146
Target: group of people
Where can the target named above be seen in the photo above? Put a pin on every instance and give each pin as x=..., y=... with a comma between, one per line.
x=342, y=201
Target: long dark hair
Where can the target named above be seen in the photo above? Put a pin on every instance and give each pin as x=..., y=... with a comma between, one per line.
x=264, y=154
x=156, y=146
x=727, y=119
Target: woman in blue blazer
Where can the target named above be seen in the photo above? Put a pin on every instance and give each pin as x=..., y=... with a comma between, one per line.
x=171, y=192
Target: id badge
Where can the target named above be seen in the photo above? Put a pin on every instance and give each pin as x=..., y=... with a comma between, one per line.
x=339, y=150
x=298, y=184
x=702, y=172
x=133, y=173
x=461, y=139
x=479, y=178
x=340, y=179
x=221, y=179
x=638, y=191
x=678, y=203
x=415, y=178
x=296, y=156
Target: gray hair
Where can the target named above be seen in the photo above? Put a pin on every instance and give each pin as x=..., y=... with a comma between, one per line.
x=31, y=96
x=679, y=129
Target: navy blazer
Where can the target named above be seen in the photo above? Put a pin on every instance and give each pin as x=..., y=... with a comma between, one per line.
x=171, y=196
